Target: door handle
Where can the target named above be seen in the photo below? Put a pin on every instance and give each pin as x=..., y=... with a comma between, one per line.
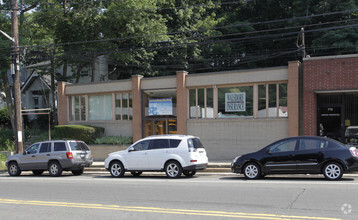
x=48, y=154
x=33, y=156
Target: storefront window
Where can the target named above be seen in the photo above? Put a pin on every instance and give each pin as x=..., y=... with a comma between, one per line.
x=125, y=106
x=77, y=108
x=199, y=108
x=262, y=101
x=100, y=107
x=192, y=103
x=235, y=102
x=272, y=92
x=209, y=103
x=283, y=111
x=83, y=108
x=201, y=103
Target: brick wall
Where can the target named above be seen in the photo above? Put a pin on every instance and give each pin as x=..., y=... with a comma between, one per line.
x=325, y=73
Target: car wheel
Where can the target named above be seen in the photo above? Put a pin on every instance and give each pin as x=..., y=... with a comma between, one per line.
x=252, y=171
x=54, y=168
x=333, y=171
x=173, y=169
x=136, y=173
x=37, y=172
x=189, y=173
x=78, y=172
x=116, y=168
x=14, y=169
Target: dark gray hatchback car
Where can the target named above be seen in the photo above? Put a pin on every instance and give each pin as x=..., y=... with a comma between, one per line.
x=54, y=156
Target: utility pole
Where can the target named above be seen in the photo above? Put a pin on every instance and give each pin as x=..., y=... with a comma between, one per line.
x=16, y=76
x=303, y=47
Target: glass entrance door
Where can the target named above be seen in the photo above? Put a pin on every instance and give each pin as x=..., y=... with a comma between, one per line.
x=160, y=126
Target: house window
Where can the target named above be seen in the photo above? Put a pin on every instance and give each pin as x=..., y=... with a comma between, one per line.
x=282, y=100
x=201, y=103
x=85, y=71
x=100, y=107
x=123, y=106
x=77, y=108
x=235, y=102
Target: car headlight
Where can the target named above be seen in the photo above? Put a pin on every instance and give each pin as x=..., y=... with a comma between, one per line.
x=236, y=158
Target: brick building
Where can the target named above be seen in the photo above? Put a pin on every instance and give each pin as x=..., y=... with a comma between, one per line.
x=330, y=95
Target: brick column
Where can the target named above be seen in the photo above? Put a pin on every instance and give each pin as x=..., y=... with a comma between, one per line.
x=62, y=109
x=293, y=98
x=182, y=105
x=137, y=128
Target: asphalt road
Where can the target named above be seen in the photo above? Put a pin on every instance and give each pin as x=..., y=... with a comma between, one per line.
x=205, y=196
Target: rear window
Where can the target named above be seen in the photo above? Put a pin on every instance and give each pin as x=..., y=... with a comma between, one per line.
x=59, y=146
x=174, y=143
x=80, y=146
x=195, y=143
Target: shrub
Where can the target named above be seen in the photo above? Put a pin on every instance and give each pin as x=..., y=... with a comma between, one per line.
x=78, y=132
x=5, y=118
x=118, y=140
x=2, y=161
x=7, y=140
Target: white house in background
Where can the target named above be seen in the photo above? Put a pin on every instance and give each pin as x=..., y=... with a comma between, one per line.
x=2, y=100
x=35, y=92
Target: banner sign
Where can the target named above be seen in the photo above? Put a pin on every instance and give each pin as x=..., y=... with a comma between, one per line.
x=160, y=106
x=235, y=102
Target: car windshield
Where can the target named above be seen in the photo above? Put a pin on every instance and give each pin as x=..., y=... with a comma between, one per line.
x=78, y=146
x=195, y=143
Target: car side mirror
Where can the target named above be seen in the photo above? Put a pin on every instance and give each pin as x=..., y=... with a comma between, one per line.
x=268, y=151
x=130, y=149
x=25, y=152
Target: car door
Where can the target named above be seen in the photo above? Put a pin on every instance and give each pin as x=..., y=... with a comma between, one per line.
x=136, y=157
x=28, y=161
x=310, y=155
x=42, y=156
x=279, y=157
x=157, y=153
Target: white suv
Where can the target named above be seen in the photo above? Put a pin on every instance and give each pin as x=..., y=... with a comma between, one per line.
x=174, y=154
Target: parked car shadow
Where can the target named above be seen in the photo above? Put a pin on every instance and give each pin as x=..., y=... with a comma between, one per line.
x=303, y=178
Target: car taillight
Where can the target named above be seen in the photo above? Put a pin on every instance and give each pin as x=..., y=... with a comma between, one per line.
x=354, y=151
x=91, y=155
x=193, y=161
x=69, y=155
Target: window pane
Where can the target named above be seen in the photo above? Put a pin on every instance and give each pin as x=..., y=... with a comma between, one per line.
x=283, y=111
x=174, y=143
x=262, y=101
x=201, y=102
x=118, y=106
x=309, y=144
x=100, y=107
x=70, y=113
x=235, y=102
x=77, y=108
x=83, y=108
x=272, y=100
x=283, y=146
x=209, y=103
x=125, y=105
x=192, y=103
x=130, y=106
x=59, y=146
x=45, y=147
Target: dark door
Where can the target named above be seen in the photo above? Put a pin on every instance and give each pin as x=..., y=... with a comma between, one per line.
x=330, y=122
x=280, y=157
x=310, y=155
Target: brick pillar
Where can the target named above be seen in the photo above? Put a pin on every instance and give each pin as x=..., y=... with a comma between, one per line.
x=293, y=98
x=137, y=128
x=182, y=105
x=62, y=109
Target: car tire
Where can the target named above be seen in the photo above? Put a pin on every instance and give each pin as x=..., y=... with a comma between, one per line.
x=252, y=171
x=173, y=169
x=333, y=171
x=14, y=169
x=136, y=173
x=116, y=169
x=78, y=172
x=54, y=168
x=37, y=172
x=189, y=173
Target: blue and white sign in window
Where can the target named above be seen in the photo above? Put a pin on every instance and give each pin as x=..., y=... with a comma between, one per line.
x=235, y=102
x=163, y=106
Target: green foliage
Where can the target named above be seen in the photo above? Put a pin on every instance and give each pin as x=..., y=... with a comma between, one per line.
x=5, y=118
x=7, y=141
x=115, y=140
x=2, y=161
x=78, y=132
